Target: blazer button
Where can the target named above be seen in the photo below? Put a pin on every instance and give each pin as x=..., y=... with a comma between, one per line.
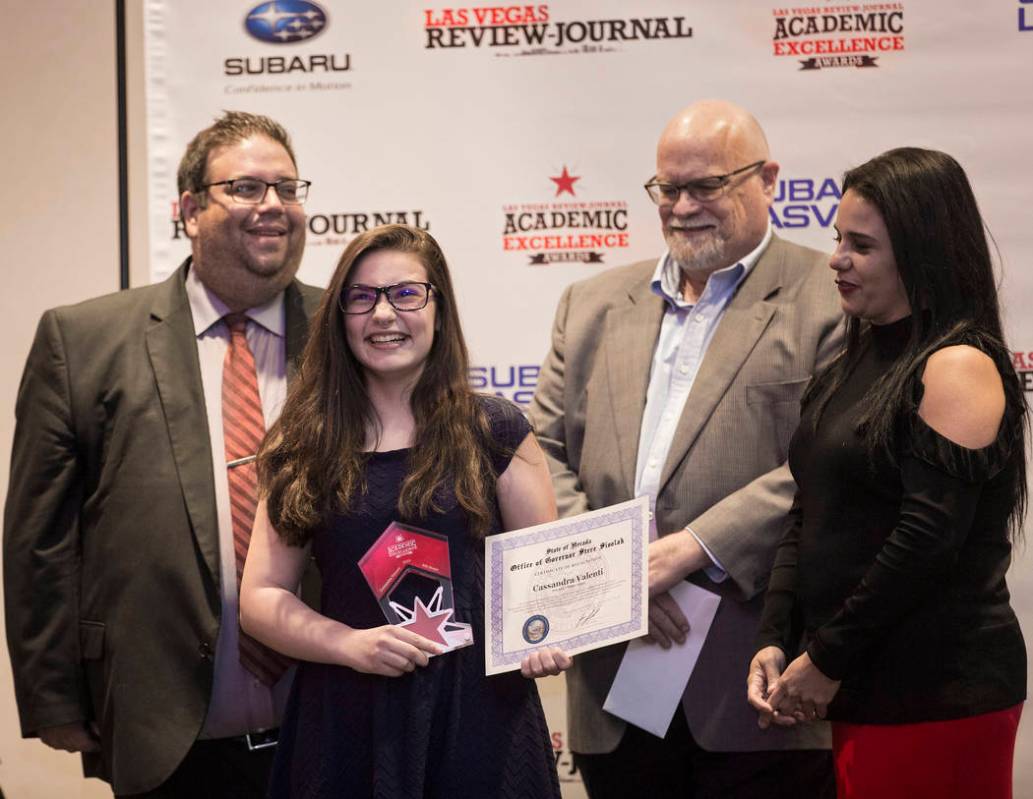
x=206, y=651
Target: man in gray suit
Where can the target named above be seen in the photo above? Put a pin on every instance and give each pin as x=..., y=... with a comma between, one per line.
x=120, y=567
x=680, y=379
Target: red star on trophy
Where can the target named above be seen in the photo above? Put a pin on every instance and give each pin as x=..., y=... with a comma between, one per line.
x=433, y=622
x=565, y=182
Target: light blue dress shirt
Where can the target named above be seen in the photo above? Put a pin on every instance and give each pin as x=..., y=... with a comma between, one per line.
x=685, y=334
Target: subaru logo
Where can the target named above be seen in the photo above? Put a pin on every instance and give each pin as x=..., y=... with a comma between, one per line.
x=285, y=21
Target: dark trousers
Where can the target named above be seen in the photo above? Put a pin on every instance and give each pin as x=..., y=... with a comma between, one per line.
x=217, y=769
x=676, y=767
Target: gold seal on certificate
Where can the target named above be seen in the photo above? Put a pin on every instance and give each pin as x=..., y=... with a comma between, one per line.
x=579, y=583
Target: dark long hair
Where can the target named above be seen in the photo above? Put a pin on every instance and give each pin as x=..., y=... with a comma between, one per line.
x=311, y=463
x=940, y=246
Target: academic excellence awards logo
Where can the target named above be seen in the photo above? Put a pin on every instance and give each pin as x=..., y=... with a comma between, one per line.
x=527, y=30
x=286, y=25
x=562, y=230
x=846, y=35
x=1023, y=363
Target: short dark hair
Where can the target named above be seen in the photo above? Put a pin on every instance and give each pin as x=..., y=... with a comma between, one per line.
x=230, y=128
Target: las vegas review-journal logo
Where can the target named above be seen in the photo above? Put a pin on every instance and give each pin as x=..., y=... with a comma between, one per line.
x=333, y=229
x=558, y=230
x=285, y=21
x=564, y=757
x=805, y=202
x=845, y=35
x=338, y=229
x=282, y=24
x=526, y=30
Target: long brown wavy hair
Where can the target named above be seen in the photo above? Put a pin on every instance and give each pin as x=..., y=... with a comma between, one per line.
x=312, y=461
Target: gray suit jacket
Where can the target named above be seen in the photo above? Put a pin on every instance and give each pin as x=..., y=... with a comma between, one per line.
x=724, y=476
x=111, y=551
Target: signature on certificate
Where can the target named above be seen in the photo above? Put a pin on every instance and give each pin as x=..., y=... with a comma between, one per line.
x=587, y=617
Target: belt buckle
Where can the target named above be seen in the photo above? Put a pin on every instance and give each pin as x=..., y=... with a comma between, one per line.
x=261, y=740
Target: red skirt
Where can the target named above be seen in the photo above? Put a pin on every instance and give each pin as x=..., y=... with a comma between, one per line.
x=957, y=759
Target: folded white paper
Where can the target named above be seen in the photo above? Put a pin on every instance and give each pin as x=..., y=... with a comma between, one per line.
x=651, y=680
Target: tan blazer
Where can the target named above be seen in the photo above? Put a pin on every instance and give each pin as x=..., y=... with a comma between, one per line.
x=724, y=476
x=111, y=543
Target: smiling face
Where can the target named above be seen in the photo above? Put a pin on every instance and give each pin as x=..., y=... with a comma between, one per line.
x=390, y=345
x=869, y=284
x=708, y=139
x=245, y=254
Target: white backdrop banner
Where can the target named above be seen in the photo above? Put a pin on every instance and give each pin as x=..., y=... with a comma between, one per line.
x=521, y=135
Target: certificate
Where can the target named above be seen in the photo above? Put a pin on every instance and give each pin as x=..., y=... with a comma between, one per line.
x=579, y=584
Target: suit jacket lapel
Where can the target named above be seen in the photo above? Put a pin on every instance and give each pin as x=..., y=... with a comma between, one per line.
x=172, y=348
x=747, y=315
x=632, y=328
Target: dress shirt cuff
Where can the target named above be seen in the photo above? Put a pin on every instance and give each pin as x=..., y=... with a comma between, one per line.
x=716, y=572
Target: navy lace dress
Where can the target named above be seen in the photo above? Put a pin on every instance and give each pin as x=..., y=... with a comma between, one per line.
x=445, y=731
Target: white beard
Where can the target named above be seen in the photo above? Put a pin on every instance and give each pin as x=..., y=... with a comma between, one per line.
x=702, y=257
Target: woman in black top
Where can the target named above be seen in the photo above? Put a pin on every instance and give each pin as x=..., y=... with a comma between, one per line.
x=910, y=462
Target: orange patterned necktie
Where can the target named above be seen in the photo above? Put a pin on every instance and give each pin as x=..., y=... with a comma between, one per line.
x=243, y=427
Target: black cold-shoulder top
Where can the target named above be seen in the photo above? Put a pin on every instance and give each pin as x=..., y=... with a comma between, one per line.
x=892, y=576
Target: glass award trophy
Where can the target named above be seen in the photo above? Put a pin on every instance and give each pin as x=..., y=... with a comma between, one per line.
x=410, y=574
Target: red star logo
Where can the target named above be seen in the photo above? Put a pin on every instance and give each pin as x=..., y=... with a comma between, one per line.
x=565, y=182
x=428, y=623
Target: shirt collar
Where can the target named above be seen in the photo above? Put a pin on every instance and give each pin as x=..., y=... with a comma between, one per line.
x=207, y=309
x=667, y=275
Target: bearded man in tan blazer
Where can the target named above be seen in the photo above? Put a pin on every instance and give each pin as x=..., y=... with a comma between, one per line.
x=680, y=379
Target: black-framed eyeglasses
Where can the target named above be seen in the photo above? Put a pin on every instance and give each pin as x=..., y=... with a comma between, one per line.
x=251, y=191
x=407, y=296
x=701, y=190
